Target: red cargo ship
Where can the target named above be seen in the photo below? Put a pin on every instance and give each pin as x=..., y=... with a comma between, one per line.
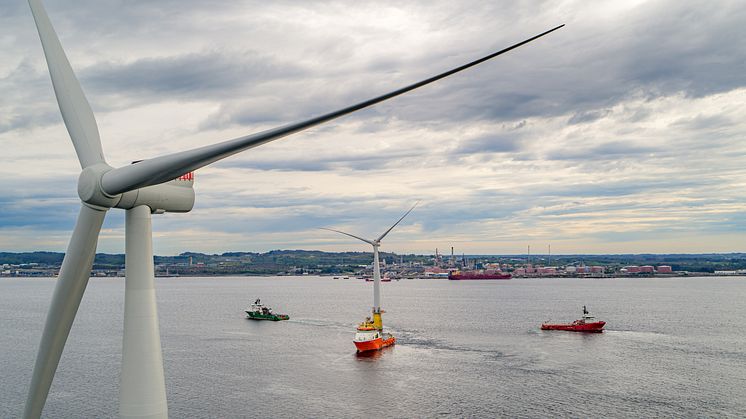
x=488, y=274
x=586, y=324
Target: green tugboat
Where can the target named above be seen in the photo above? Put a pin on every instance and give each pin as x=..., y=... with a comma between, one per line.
x=259, y=311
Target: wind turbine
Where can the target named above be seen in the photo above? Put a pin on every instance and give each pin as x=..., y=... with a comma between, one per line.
x=370, y=335
x=152, y=186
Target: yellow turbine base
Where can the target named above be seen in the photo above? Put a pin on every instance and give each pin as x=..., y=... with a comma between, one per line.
x=377, y=321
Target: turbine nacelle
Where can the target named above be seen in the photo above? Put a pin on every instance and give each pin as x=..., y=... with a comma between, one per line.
x=174, y=196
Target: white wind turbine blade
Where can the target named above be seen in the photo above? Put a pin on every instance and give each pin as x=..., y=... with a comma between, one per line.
x=74, y=107
x=395, y=224
x=165, y=168
x=351, y=235
x=71, y=283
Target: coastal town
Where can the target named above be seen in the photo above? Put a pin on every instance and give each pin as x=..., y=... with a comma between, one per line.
x=393, y=266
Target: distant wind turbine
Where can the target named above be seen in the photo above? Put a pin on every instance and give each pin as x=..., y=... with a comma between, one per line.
x=152, y=186
x=376, y=243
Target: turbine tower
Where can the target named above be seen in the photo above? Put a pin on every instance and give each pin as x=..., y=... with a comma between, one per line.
x=376, y=243
x=151, y=186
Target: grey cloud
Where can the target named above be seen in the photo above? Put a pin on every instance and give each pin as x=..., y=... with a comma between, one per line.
x=12, y=8
x=660, y=48
x=195, y=76
x=493, y=143
x=606, y=151
x=695, y=48
x=638, y=115
x=484, y=206
x=45, y=213
x=31, y=119
x=728, y=223
x=704, y=123
x=580, y=73
x=368, y=215
x=23, y=106
x=622, y=188
x=588, y=116
x=649, y=52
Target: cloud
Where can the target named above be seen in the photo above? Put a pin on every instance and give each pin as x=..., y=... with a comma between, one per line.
x=621, y=132
x=587, y=116
x=490, y=144
x=607, y=151
x=210, y=74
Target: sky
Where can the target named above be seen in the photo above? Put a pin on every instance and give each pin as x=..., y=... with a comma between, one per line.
x=623, y=132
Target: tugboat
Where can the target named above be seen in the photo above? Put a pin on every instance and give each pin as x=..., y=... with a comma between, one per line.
x=586, y=324
x=259, y=311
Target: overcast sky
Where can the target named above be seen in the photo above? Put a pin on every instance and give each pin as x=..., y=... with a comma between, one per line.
x=623, y=132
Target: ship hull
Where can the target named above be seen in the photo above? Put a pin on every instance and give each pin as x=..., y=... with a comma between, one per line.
x=272, y=317
x=595, y=327
x=472, y=277
x=375, y=344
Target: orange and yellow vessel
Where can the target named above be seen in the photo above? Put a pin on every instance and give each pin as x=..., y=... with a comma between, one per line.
x=370, y=337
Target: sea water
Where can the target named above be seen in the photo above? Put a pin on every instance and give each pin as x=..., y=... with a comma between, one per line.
x=674, y=347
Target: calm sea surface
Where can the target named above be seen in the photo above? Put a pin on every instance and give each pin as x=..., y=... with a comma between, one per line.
x=673, y=348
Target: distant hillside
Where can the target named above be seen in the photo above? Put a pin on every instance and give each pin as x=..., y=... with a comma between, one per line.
x=330, y=262
x=300, y=258
x=46, y=258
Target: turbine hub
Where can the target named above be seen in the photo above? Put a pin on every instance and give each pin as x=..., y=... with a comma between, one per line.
x=89, y=187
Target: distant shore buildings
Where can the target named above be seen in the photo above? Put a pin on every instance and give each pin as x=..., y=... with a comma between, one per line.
x=529, y=270
x=298, y=262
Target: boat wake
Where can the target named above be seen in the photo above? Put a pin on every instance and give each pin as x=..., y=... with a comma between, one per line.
x=415, y=340
x=321, y=323
x=635, y=333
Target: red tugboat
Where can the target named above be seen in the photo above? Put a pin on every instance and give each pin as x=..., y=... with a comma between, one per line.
x=586, y=324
